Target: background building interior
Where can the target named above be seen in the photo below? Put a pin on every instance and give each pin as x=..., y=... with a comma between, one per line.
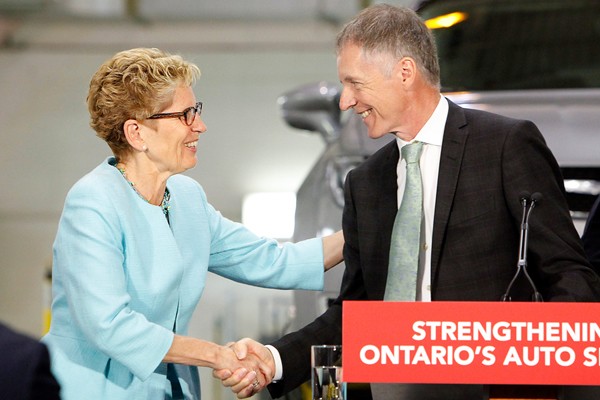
x=249, y=51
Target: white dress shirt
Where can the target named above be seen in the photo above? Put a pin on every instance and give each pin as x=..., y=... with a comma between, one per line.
x=432, y=135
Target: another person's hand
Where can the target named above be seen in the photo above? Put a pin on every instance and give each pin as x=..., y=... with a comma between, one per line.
x=252, y=352
x=333, y=250
x=250, y=374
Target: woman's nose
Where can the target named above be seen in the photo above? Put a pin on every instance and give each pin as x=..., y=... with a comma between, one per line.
x=199, y=125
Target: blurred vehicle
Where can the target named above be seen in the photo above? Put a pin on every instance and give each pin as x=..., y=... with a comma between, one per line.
x=529, y=59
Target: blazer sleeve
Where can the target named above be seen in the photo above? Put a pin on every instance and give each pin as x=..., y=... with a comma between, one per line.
x=556, y=257
x=591, y=236
x=238, y=254
x=294, y=348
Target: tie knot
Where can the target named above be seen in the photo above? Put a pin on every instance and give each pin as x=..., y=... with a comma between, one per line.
x=412, y=152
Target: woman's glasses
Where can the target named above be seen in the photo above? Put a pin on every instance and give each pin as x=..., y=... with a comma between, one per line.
x=187, y=116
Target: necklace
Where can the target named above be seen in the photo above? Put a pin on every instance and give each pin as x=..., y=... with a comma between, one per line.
x=166, y=201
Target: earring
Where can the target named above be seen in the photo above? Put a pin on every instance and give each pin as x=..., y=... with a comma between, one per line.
x=144, y=148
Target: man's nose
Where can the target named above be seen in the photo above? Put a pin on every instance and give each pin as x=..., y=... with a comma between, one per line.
x=347, y=99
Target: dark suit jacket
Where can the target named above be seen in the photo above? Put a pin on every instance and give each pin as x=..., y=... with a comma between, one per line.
x=486, y=162
x=25, y=368
x=591, y=236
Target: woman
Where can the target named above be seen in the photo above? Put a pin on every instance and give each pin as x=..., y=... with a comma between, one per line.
x=136, y=240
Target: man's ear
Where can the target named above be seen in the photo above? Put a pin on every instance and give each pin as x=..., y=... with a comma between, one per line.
x=406, y=70
x=132, y=130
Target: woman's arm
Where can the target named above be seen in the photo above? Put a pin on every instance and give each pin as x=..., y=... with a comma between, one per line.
x=333, y=246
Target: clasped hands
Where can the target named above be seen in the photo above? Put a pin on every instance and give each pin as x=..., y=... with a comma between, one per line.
x=251, y=371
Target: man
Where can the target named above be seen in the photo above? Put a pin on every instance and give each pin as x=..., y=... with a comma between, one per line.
x=473, y=166
x=591, y=236
x=25, y=368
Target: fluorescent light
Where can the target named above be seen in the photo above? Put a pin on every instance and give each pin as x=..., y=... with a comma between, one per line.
x=270, y=214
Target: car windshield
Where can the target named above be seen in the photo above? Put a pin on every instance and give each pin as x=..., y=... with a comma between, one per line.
x=516, y=44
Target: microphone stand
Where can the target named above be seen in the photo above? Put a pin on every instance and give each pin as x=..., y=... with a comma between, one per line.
x=523, y=244
x=536, y=297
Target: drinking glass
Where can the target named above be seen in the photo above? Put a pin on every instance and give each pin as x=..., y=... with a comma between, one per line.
x=326, y=377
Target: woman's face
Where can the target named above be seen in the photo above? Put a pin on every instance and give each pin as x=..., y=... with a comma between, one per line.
x=171, y=144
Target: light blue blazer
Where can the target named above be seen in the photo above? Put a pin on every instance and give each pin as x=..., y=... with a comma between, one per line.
x=124, y=281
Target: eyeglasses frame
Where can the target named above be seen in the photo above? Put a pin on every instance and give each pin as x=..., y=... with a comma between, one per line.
x=181, y=114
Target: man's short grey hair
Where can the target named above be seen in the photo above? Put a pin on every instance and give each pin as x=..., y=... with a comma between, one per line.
x=398, y=32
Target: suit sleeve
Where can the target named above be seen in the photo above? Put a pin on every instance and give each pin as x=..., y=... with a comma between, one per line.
x=556, y=257
x=25, y=371
x=44, y=385
x=294, y=348
x=591, y=236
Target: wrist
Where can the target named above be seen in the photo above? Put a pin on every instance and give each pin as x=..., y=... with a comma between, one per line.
x=213, y=355
x=277, y=365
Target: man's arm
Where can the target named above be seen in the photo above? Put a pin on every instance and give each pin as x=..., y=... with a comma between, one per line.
x=44, y=384
x=555, y=251
x=294, y=348
x=591, y=236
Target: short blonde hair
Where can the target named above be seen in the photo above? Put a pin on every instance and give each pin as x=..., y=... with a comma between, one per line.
x=134, y=84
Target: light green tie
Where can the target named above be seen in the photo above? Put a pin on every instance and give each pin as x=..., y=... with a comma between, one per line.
x=403, y=267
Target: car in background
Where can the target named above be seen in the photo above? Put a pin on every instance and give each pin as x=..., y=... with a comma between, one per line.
x=529, y=59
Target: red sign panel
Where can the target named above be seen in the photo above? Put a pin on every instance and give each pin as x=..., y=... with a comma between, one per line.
x=471, y=342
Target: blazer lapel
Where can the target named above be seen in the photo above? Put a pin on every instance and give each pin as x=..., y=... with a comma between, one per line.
x=386, y=190
x=453, y=146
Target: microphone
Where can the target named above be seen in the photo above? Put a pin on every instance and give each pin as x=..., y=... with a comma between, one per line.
x=536, y=198
x=524, y=196
x=528, y=202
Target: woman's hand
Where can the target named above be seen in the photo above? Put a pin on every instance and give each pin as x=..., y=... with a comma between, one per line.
x=248, y=350
x=250, y=374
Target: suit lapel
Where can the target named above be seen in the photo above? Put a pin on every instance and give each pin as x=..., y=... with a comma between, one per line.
x=453, y=146
x=387, y=193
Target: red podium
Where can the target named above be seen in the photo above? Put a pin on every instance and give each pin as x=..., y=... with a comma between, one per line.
x=519, y=350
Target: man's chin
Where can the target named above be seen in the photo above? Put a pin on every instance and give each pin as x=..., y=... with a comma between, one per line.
x=376, y=134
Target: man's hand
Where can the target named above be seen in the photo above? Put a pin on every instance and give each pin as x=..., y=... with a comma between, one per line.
x=253, y=352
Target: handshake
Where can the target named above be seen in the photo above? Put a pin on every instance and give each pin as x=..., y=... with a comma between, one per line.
x=246, y=367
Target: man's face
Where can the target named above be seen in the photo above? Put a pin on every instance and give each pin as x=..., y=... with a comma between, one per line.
x=372, y=87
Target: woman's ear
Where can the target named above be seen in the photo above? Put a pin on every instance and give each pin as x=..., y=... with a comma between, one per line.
x=132, y=130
